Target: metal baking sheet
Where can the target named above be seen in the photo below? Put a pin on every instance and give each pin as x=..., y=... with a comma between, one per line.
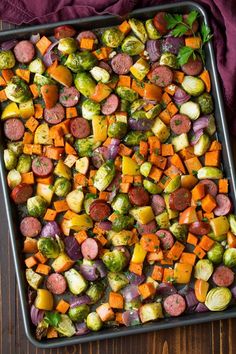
x=222, y=133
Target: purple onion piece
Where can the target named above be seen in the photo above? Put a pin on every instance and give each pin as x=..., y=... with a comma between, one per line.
x=196, y=137
x=166, y=289
x=172, y=44
x=48, y=57
x=100, y=266
x=35, y=38
x=130, y=318
x=135, y=279
x=200, y=123
x=130, y=292
x=51, y=229
x=153, y=47
x=191, y=299
x=81, y=329
x=113, y=151
x=89, y=272
x=201, y=307
x=115, y=141
x=141, y=124
x=79, y=300
x=149, y=101
x=36, y=315
x=180, y=96
x=7, y=45
x=72, y=248
x=100, y=155
x=105, y=225
x=233, y=291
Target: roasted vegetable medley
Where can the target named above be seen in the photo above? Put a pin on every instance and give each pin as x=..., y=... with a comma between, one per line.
x=112, y=161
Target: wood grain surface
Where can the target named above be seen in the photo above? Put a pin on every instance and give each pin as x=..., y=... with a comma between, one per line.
x=217, y=337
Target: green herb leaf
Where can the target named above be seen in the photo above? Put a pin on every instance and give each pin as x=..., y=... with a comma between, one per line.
x=53, y=318
x=192, y=16
x=184, y=54
x=179, y=30
x=206, y=33
x=173, y=20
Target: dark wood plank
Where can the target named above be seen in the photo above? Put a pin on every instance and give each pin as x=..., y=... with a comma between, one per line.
x=216, y=337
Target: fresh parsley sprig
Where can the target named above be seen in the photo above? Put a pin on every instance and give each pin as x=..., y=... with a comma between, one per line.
x=52, y=318
x=178, y=26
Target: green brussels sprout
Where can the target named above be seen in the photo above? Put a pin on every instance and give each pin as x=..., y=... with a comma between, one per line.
x=34, y=279
x=90, y=108
x=7, y=59
x=145, y=168
x=211, y=128
x=62, y=187
x=210, y=173
x=78, y=313
x=37, y=66
x=232, y=223
x=112, y=37
x=203, y=144
x=191, y=109
x=151, y=187
x=121, y=238
x=193, y=85
x=16, y=147
x=124, y=105
x=132, y=46
x=100, y=74
x=121, y=203
x=138, y=28
x=86, y=146
x=117, y=281
x=139, y=114
x=117, y=130
x=41, y=329
x=114, y=260
x=65, y=326
x=203, y=269
x=137, y=105
x=218, y=238
x=150, y=312
x=127, y=93
x=85, y=84
x=95, y=291
x=13, y=178
x=179, y=231
x=133, y=138
x=75, y=200
x=104, y=175
x=94, y=322
x=48, y=247
x=41, y=80
x=36, y=206
x=215, y=254
x=151, y=30
x=76, y=282
x=17, y=90
x=24, y=163
x=229, y=257
x=133, y=304
x=81, y=61
x=169, y=59
x=154, y=111
x=218, y=298
x=89, y=198
x=67, y=45
x=123, y=222
x=10, y=159
x=173, y=184
x=205, y=102
x=163, y=220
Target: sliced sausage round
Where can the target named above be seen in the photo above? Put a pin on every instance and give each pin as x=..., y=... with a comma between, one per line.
x=99, y=210
x=89, y=248
x=121, y=63
x=24, y=51
x=69, y=96
x=30, y=226
x=54, y=115
x=138, y=196
x=180, y=123
x=158, y=204
x=160, y=22
x=161, y=76
x=193, y=67
x=56, y=283
x=210, y=187
x=102, y=64
x=14, y=129
x=64, y=32
x=199, y=228
x=42, y=166
x=79, y=127
x=166, y=238
x=224, y=205
x=180, y=199
x=223, y=276
x=110, y=105
x=174, y=305
x=21, y=193
x=149, y=228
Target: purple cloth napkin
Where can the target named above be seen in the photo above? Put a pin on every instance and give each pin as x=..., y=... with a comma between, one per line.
x=222, y=16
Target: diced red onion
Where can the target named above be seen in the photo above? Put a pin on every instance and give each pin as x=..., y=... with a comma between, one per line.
x=196, y=137
x=7, y=45
x=49, y=57
x=201, y=307
x=79, y=300
x=153, y=47
x=130, y=318
x=36, y=315
x=113, y=151
x=200, y=123
x=100, y=155
x=165, y=289
x=81, y=329
x=100, y=266
x=35, y=38
x=105, y=225
x=89, y=272
x=72, y=248
x=180, y=96
x=115, y=141
x=172, y=44
x=191, y=299
x=149, y=102
x=51, y=229
x=135, y=279
x=233, y=291
x=130, y=292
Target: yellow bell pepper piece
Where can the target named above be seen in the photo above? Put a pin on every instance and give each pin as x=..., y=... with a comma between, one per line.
x=143, y=214
x=81, y=222
x=139, y=254
x=99, y=124
x=26, y=109
x=219, y=225
x=10, y=111
x=129, y=166
x=44, y=300
x=140, y=69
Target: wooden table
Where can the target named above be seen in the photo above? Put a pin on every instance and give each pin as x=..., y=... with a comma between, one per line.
x=217, y=337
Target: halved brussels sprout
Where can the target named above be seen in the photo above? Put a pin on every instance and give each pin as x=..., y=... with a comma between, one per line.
x=34, y=279
x=62, y=187
x=137, y=105
x=203, y=269
x=95, y=291
x=114, y=260
x=76, y=282
x=78, y=313
x=145, y=168
x=36, y=206
x=85, y=84
x=67, y=45
x=133, y=138
x=210, y=173
x=100, y=74
x=229, y=257
x=117, y=130
x=37, y=66
x=126, y=93
x=104, y=175
x=179, y=231
x=154, y=111
x=13, y=178
x=215, y=254
x=194, y=86
x=41, y=80
x=169, y=59
x=123, y=222
x=94, y=322
x=81, y=61
x=117, y=281
x=86, y=146
x=218, y=299
x=75, y=200
x=24, y=163
x=7, y=59
x=90, y=108
x=232, y=223
x=16, y=147
x=132, y=46
x=205, y=102
x=17, y=90
x=65, y=326
x=151, y=30
x=121, y=203
x=173, y=184
x=211, y=129
x=201, y=147
x=112, y=37
x=49, y=247
x=138, y=28
x=151, y=187
x=191, y=109
x=10, y=159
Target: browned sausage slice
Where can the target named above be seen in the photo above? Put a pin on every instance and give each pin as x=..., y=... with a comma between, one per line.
x=21, y=193
x=161, y=76
x=42, y=166
x=30, y=226
x=224, y=205
x=160, y=22
x=166, y=238
x=69, y=96
x=121, y=63
x=24, y=51
x=56, y=283
x=180, y=123
x=174, y=305
x=110, y=105
x=79, y=127
x=89, y=248
x=199, y=228
x=223, y=276
x=105, y=66
x=99, y=210
x=138, y=196
x=210, y=187
x=180, y=199
x=193, y=67
x=148, y=228
x=54, y=115
x=64, y=32
x=14, y=129
x=158, y=204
